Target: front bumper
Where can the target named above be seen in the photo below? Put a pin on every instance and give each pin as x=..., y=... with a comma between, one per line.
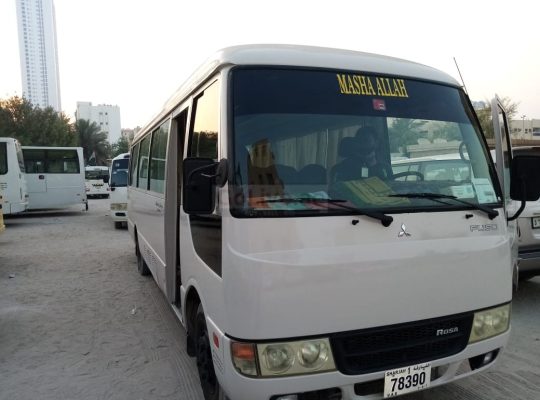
x=529, y=260
x=348, y=387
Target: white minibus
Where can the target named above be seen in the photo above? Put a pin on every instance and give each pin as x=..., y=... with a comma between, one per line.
x=118, y=184
x=12, y=178
x=55, y=177
x=96, y=181
x=263, y=201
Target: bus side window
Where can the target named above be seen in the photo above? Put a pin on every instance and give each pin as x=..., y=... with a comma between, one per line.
x=143, y=163
x=157, y=158
x=134, y=165
x=34, y=161
x=3, y=159
x=203, y=140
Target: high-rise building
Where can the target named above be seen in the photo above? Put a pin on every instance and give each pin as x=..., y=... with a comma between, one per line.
x=38, y=52
x=107, y=117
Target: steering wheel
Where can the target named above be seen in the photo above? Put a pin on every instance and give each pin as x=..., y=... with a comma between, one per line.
x=419, y=175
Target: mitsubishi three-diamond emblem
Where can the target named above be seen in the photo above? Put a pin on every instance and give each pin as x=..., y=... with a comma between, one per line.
x=403, y=231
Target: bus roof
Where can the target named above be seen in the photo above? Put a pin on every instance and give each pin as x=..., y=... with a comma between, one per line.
x=8, y=139
x=121, y=156
x=299, y=56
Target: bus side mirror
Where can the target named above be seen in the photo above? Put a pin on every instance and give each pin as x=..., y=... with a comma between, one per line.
x=199, y=189
x=105, y=179
x=525, y=179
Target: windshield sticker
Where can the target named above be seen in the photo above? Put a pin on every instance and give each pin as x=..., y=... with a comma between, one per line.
x=379, y=105
x=462, y=191
x=484, y=190
x=370, y=191
x=371, y=86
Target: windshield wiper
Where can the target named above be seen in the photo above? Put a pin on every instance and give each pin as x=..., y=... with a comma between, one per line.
x=491, y=213
x=386, y=220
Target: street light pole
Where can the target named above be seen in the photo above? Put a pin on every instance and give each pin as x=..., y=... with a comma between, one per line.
x=523, y=132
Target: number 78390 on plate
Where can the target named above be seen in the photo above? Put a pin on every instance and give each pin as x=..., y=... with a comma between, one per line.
x=407, y=379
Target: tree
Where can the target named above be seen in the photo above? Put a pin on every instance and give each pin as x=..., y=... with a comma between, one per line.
x=96, y=148
x=34, y=126
x=120, y=146
x=484, y=115
x=404, y=132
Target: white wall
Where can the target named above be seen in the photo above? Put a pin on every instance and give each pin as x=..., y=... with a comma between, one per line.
x=107, y=117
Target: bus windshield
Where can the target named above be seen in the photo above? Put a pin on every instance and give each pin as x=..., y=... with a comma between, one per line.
x=119, y=172
x=97, y=174
x=308, y=142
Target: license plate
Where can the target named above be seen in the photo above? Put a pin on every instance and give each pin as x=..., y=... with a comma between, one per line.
x=535, y=222
x=406, y=379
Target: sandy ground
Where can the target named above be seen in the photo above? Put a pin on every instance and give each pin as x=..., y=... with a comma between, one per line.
x=78, y=322
x=76, y=319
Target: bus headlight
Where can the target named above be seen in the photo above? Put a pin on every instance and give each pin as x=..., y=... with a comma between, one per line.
x=295, y=358
x=283, y=359
x=313, y=354
x=489, y=323
x=277, y=358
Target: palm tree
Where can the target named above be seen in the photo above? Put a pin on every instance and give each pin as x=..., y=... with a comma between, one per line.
x=484, y=114
x=96, y=147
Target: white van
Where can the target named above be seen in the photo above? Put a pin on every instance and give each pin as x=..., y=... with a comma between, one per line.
x=12, y=177
x=97, y=181
x=118, y=187
x=55, y=177
x=298, y=268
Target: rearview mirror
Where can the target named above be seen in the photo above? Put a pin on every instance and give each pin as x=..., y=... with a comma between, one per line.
x=525, y=176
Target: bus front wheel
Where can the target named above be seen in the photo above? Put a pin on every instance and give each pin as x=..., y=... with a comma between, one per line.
x=209, y=383
x=141, y=264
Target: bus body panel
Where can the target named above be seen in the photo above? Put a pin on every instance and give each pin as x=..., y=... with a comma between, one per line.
x=13, y=182
x=146, y=213
x=58, y=187
x=348, y=277
x=2, y=226
x=118, y=187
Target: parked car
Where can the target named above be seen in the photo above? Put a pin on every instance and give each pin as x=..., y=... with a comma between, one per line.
x=529, y=234
x=528, y=231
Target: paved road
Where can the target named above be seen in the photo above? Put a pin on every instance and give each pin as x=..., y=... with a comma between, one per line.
x=78, y=322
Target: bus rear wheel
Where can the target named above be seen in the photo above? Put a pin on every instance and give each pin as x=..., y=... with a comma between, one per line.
x=209, y=383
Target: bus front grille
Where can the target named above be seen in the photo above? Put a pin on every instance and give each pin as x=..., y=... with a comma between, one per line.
x=389, y=347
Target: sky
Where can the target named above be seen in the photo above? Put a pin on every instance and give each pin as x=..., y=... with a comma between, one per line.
x=136, y=53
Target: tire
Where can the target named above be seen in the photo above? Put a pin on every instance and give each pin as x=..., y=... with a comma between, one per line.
x=142, y=267
x=207, y=376
x=118, y=224
x=523, y=277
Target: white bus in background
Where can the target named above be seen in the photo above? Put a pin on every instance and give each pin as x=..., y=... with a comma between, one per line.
x=55, y=177
x=118, y=187
x=97, y=181
x=300, y=270
x=12, y=178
